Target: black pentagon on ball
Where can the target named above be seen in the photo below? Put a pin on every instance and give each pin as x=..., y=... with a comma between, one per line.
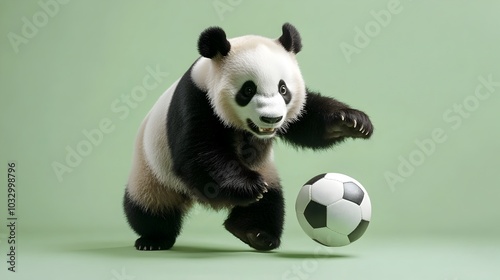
x=315, y=214
x=315, y=179
x=353, y=193
x=358, y=231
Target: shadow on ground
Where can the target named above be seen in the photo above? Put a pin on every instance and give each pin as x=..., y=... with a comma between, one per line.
x=116, y=249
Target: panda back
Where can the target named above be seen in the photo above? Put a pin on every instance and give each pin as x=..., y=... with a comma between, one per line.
x=155, y=139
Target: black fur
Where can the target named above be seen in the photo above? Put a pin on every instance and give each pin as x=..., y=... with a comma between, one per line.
x=249, y=89
x=251, y=150
x=260, y=224
x=287, y=96
x=157, y=231
x=321, y=124
x=290, y=39
x=246, y=93
x=213, y=41
x=204, y=153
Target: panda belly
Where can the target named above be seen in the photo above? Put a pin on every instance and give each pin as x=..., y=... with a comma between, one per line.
x=152, y=183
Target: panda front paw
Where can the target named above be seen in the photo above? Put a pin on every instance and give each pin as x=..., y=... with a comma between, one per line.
x=245, y=190
x=262, y=241
x=349, y=123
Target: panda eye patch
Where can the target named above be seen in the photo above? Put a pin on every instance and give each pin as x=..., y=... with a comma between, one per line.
x=283, y=90
x=249, y=89
x=246, y=92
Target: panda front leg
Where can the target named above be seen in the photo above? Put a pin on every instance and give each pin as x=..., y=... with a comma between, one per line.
x=259, y=224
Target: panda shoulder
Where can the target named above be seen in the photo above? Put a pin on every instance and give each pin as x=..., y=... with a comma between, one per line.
x=201, y=73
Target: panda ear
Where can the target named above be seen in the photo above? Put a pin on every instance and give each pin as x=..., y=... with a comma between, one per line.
x=213, y=41
x=290, y=39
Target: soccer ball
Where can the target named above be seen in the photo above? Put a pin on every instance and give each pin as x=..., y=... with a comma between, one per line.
x=333, y=209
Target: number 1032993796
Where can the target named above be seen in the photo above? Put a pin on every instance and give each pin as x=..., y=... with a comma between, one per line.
x=11, y=189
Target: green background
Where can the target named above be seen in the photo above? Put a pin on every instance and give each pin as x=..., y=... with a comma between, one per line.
x=439, y=220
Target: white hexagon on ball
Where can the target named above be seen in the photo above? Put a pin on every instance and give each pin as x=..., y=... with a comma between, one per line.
x=303, y=198
x=343, y=216
x=328, y=237
x=327, y=191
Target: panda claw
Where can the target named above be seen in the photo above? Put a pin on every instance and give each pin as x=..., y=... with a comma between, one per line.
x=342, y=117
x=355, y=123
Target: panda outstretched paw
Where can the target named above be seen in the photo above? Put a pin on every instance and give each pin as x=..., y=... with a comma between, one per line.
x=349, y=123
x=152, y=244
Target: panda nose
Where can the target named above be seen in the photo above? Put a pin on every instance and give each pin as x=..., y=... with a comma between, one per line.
x=270, y=120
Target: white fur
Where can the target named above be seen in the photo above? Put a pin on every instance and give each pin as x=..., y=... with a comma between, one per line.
x=260, y=105
x=263, y=61
x=155, y=140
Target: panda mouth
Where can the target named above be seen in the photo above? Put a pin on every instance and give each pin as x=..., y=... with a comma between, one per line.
x=260, y=130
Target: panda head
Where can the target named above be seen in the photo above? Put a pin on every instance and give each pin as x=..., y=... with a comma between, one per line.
x=253, y=83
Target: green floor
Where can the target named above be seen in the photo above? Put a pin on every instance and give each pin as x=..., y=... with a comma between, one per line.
x=110, y=255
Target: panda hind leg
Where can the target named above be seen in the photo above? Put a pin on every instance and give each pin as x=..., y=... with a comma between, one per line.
x=259, y=224
x=158, y=230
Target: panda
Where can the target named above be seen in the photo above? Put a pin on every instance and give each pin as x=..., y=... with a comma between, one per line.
x=208, y=139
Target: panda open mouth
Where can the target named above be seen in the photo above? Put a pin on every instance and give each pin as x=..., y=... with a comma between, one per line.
x=260, y=130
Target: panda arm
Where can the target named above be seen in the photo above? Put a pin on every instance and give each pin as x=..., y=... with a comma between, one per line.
x=214, y=172
x=326, y=122
x=202, y=150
